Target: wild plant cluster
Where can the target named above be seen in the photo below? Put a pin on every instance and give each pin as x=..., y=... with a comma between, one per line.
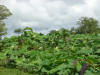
x=56, y=53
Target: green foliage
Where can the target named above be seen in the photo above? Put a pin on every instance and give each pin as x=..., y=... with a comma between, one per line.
x=57, y=53
x=87, y=25
x=2, y=28
x=4, y=13
x=18, y=31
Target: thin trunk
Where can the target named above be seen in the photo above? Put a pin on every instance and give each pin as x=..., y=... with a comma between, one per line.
x=83, y=69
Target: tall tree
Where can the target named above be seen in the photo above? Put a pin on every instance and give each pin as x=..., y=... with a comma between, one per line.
x=87, y=25
x=4, y=13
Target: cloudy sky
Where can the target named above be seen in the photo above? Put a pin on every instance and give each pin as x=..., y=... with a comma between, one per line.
x=46, y=15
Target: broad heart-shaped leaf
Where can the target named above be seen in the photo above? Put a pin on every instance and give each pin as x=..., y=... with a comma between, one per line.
x=98, y=51
x=78, y=66
x=64, y=72
x=97, y=73
x=89, y=73
x=44, y=70
x=85, y=52
x=2, y=56
x=92, y=60
x=58, y=68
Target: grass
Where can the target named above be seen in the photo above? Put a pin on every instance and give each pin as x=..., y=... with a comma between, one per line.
x=8, y=71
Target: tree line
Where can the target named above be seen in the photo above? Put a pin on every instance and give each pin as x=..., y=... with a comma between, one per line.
x=86, y=25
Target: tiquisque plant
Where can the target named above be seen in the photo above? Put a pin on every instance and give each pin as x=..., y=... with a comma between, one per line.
x=57, y=53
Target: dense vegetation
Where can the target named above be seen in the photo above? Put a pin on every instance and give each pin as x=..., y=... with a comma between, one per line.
x=63, y=52
x=87, y=25
x=4, y=13
x=57, y=53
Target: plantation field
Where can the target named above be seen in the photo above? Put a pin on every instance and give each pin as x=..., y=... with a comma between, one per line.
x=56, y=53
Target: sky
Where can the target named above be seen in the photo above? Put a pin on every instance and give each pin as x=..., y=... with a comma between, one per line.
x=46, y=15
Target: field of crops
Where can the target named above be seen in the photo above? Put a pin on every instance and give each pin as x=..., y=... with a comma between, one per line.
x=57, y=53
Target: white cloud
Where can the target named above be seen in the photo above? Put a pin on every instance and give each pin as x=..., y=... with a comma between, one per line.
x=45, y=15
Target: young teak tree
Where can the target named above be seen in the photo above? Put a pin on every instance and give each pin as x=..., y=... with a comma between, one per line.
x=4, y=13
